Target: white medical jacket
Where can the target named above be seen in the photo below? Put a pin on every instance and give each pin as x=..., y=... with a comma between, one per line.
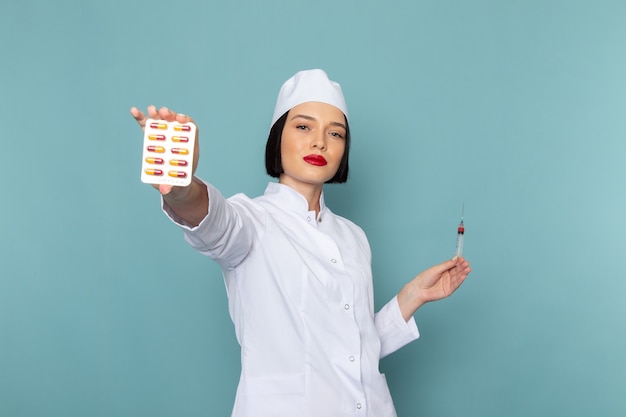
x=301, y=298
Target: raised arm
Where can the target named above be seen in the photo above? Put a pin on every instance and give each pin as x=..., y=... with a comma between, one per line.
x=190, y=203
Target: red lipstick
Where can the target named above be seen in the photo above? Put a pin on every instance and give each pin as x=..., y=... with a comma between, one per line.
x=317, y=160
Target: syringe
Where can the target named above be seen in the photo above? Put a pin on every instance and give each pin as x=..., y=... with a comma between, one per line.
x=460, y=235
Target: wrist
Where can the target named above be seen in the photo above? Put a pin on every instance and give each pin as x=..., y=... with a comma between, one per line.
x=182, y=196
x=190, y=204
x=409, y=300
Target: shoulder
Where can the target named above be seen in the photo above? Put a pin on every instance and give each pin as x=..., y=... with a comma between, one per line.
x=248, y=204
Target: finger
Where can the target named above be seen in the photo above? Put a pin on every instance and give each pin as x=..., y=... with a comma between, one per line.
x=446, y=265
x=460, y=262
x=166, y=114
x=461, y=269
x=139, y=116
x=459, y=275
x=183, y=118
x=458, y=259
x=165, y=188
x=433, y=274
x=153, y=113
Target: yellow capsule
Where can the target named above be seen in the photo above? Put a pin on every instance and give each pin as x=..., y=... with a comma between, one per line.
x=157, y=161
x=177, y=174
x=180, y=151
x=178, y=162
x=157, y=149
x=183, y=128
x=156, y=137
x=161, y=126
x=181, y=139
x=151, y=171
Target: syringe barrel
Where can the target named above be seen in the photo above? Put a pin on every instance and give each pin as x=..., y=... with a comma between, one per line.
x=459, y=245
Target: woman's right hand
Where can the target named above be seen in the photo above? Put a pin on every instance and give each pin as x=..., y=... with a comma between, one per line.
x=190, y=203
x=173, y=192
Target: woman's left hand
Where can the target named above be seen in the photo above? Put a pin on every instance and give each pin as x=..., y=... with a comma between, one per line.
x=435, y=283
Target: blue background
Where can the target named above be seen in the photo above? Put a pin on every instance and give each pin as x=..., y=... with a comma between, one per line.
x=516, y=109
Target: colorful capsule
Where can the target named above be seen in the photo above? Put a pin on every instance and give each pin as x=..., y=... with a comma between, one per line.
x=181, y=139
x=157, y=149
x=178, y=162
x=182, y=128
x=177, y=174
x=156, y=137
x=180, y=151
x=151, y=171
x=161, y=126
x=157, y=161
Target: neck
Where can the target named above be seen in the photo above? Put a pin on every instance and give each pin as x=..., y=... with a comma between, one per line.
x=311, y=192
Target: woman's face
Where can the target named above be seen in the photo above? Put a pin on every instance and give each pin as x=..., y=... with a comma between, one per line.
x=312, y=144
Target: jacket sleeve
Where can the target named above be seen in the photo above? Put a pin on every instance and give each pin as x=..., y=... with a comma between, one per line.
x=224, y=235
x=393, y=331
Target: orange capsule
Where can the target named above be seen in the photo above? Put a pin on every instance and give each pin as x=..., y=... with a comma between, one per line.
x=182, y=128
x=157, y=149
x=157, y=161
x=181, y=139
x=177, y=174
x=178, y=162
x=151, y=171
x=180, y=151
x=161, y=126
x=156, y=137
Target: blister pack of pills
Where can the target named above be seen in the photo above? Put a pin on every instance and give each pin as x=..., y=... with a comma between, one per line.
x=168, y=152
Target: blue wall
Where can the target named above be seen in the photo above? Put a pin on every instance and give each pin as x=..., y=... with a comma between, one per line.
x=516, y=109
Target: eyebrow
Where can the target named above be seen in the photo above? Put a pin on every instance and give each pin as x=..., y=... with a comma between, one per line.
x=304, y=116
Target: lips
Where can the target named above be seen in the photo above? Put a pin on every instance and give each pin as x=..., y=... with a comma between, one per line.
x=317, y=160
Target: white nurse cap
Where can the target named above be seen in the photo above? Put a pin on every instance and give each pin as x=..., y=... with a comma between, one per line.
x=305, y=86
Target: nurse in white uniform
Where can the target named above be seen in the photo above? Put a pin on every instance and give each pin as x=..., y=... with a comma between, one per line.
x=298, y=277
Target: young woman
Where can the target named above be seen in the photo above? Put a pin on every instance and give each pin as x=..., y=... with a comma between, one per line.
x=299, y=277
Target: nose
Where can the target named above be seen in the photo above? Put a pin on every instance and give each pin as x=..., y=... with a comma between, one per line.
x=319, y=141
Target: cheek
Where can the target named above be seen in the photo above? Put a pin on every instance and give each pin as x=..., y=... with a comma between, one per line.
x=284, y=142
x=289, y=147
x=287, y=152
x=340, y=151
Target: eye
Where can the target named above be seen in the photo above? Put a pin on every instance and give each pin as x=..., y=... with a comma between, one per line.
x=302, y=127
x=337, y=135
